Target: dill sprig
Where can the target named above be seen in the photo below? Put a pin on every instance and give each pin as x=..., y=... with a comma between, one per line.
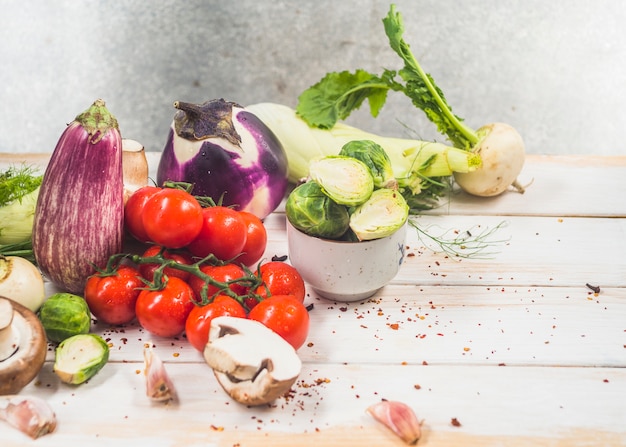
x=16, y=182
x=475, y=242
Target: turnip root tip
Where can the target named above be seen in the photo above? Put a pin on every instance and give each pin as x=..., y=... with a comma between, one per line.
x=501, y=149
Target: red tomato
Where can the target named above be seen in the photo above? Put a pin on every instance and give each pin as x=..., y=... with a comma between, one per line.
x=256, y=239
x=285, y=315
x=147, y=270
x=223, y=234
x=133, y=212
x=172, y=218
x=199, y=320
x=164, y=312
x=281, y=279
x=221, y=273
x=111, y=299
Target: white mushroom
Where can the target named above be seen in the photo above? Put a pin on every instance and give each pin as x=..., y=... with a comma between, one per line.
x=134, y=165
x=251, y=362
x=23, y=346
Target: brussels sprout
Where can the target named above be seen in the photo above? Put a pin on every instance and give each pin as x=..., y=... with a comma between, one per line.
x=346, y=180
x=382, y=215
x=375, y=157
x=63, y=315
x=80, y=357
x=313, y=212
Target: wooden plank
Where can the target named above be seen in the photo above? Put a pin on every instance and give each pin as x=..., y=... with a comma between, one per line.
x=495, y=406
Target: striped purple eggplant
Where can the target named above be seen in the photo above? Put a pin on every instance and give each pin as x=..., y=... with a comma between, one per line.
x=228, y=154
x=79, y=217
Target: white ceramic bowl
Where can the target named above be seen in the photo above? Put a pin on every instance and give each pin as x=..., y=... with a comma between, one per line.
x=346, y=271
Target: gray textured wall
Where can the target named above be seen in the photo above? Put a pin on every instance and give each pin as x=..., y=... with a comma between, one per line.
x=555, y=70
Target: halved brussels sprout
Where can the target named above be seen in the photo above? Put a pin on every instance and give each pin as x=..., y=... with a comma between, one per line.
x=346, y=180
x=380, y=216
x=375, y=157
x=80, y=357
x=311, y=211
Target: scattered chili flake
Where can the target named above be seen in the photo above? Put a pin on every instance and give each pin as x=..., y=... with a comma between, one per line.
x=424, y=363
x=606, y=380
x=310, y=344
x=417, y=386
x=176, y=354
x=455, y=422
x=394, y=326
x=466, y=349
x=137, y=371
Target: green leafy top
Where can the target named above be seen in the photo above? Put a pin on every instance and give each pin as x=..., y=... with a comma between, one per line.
x=16, y=182
x=338, y=94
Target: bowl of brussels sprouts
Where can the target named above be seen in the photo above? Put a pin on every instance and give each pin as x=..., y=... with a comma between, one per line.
x=346, y=224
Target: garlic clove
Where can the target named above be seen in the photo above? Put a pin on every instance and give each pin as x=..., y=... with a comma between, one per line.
x=399, y=418
x=31, y=415
x=159, y=386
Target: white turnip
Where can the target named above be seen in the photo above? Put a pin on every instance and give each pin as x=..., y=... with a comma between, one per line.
x=501, y=150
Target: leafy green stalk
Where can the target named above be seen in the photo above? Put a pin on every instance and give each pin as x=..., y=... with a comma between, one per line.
x=338, y=94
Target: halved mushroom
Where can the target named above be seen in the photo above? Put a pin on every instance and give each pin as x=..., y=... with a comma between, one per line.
x=22, y=346
x=252, y=363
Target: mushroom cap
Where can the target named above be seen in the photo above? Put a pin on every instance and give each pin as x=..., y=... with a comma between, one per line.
x=22, y=367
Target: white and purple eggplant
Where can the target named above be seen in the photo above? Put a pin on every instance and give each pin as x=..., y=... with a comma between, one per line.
x=79, y=217
x=228, y=154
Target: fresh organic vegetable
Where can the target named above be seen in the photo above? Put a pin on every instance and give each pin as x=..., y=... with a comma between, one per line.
x=111, y=298
x=134, y=167
x=499, y=146
x=148, y=270
x=80, y=357
x=311, y=211
x=256, y=240
x=64, y=315
x=79, y=215
x=133, y=212
x=375, y=158
x=163, y=311
x=21, y=281
x=228, y=154
x=399, y=418
x=346, y=180
x=380, y=216
x=420, y=166
x=228, y=274
x=30, y=415
x=19, y=189
x=23, y=346
x=284, y=314
x=159, y=385
x=172, y=218
x=199, y=320
x=280, y=278
x=223, y=234
x=252, y=363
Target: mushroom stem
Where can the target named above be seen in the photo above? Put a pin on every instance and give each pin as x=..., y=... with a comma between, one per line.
x=9, y=337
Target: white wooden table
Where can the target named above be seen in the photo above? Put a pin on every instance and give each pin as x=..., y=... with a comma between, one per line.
x=514, y=347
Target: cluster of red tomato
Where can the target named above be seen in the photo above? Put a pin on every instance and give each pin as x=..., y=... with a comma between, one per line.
x=178, y=228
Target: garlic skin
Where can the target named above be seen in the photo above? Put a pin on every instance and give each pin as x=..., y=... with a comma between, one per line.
x=159, y=386
x=31, y=415
x=399, y=418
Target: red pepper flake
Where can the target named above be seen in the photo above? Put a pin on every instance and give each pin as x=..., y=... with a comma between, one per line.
x=394, y=326
x=606, y=380
x=216, y=428
x=425, y=363
x=455, y=422
x=417, y=386
x=310, y=344
x=176, y=354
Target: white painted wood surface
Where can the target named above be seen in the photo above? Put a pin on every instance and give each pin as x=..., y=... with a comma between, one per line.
x=513, y=345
